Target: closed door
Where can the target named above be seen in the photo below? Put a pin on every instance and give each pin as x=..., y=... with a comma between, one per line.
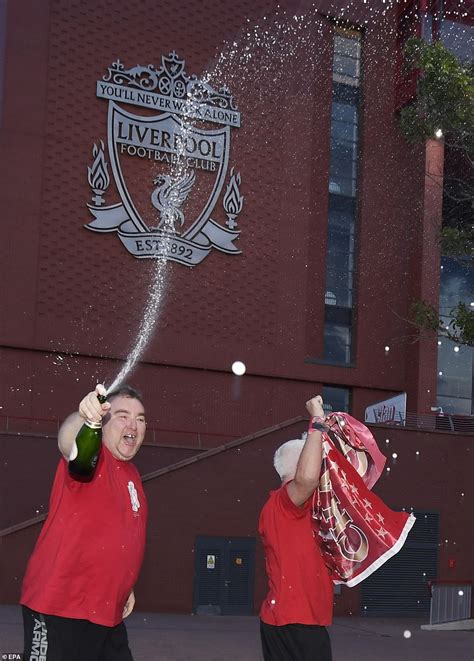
x=224, y=575
x=401, y=586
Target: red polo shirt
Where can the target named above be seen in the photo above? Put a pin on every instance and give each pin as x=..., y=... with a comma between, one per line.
x=300, y=589
x=88, y=555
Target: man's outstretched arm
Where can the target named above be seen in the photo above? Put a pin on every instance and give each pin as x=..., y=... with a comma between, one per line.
x=308, y=469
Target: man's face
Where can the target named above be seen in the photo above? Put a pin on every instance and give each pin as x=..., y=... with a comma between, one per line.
x=124, y=427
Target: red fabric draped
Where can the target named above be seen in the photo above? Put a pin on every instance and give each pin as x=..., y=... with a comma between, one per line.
x=356, y=531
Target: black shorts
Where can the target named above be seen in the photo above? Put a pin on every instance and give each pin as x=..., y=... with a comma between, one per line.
x=53, y=638
x=295, y=642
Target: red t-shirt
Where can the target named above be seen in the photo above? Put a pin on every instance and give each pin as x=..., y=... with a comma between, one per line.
x=90, y=550
x=300, y=589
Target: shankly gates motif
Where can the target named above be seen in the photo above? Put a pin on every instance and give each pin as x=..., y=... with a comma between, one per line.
x=169, y=172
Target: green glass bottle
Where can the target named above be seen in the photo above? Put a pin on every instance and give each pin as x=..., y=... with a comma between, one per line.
x=86, y=451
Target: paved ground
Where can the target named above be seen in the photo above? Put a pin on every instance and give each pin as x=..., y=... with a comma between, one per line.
x=158, y=637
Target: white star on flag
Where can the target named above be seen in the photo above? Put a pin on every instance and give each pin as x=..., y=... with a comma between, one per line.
x=334, y=466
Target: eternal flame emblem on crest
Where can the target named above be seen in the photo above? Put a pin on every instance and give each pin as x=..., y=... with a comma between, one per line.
x=170, y=169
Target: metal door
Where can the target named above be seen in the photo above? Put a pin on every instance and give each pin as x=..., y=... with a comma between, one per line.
x=224, y=575
x=400, y=587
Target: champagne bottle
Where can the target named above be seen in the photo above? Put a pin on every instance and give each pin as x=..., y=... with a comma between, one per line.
x=86, y=449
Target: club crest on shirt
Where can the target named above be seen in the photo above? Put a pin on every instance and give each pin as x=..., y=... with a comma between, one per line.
x=133, y=497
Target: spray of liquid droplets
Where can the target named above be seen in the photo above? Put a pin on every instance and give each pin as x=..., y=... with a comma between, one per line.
x=150, y=318
x=159, y=284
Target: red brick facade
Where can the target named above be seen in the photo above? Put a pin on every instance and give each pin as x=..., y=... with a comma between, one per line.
x=72, y=300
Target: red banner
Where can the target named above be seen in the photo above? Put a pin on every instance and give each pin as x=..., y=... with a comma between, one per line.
x=356, y=531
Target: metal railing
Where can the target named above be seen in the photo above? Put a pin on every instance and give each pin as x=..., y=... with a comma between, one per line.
x=443, y=422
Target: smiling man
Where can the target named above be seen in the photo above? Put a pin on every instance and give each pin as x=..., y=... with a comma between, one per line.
x=78, y=585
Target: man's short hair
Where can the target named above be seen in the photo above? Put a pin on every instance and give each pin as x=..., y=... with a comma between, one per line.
x=286, y=458
x=125, y=391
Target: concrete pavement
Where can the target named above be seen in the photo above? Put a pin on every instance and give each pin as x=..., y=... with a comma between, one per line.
x=161, y=637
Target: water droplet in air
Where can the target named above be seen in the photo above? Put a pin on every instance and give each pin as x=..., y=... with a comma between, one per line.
x=238, y=368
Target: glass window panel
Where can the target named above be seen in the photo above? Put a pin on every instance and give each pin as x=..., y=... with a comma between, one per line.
x=455, y=405
x=342, y=296
x=346, y=94
x=338, y=277
x=334, y=187
x=453, y=385
x=342, y=186
x=345, y=179
x=339, y=316
x=343, y=149
x=458, y=38
x=344, y=131
x=346, y=66
x=457, y=284
x=330, y=298
x=349, y=46
x=341, y=224
x=336, y=398
x=340, y=231
x=337, y=343
x=341, y=211
x=339, y=262
x=339, y=252
x=338, y=242
x=344, y=112
x=455, y=368
x=340, y=239
x=342, y=167
x=342, y=291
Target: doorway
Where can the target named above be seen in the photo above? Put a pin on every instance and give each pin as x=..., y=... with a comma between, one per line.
x=401, y=586
x=224, y=573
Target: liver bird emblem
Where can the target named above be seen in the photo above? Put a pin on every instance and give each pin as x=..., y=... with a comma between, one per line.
x=168, y=197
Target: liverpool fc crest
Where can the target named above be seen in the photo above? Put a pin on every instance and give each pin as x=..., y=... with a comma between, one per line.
x=170, y=169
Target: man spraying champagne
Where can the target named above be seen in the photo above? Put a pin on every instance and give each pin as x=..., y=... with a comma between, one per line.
x=78, y=585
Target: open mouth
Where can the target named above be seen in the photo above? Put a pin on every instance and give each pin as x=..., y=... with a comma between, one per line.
x=129, y=439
